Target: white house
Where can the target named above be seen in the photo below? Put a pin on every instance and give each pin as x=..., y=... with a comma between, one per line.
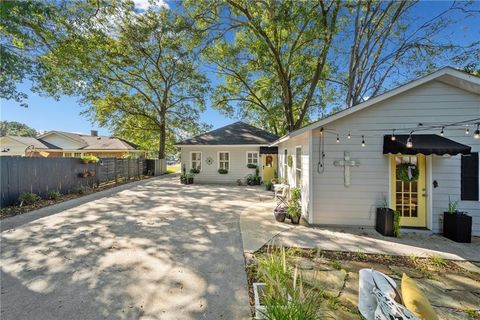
x=346, y=163
x=236, y=149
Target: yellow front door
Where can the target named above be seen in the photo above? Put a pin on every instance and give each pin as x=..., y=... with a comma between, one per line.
x=408, y=197
x=269, y=166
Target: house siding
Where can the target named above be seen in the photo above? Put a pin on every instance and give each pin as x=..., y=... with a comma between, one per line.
x=15, y=148
x=289, y=174
x=432, y=103
x=209, y=173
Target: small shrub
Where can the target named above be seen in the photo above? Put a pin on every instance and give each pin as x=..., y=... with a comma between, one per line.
x=194, y=170
x=28, y=198
x=452, y=206
x=89, y=159
x=83, y=190
x=396, y=224
x=53, y=195
x=335, y=264
x=438, y=261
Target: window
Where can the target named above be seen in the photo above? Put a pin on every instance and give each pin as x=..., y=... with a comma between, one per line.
x=285, y=164
x=298, y=166
x=196, y=160
x=223, y=160
x=469, y=177
x=252, y=157
x=67, y=154
x=78, y=154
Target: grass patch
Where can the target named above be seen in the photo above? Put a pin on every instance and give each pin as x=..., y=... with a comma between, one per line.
x=173, y=168
x=438, y=261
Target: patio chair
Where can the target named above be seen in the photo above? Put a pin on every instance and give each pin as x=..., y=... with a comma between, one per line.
x=282, y=198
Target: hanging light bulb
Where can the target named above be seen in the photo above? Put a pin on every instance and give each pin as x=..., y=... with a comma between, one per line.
x=363, y=141
x=393, y=138
x=338, y=138
x=409, y=141
x=349, y=135
x=467, y=131
x=441, y=132
x=476, y=134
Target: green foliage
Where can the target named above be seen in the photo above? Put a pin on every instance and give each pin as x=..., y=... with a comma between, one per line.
x=28, y=198
x=294, y=208
x=13, y=128
x=89, y=159
x=396, y=224
x=402, y=172
x=252, y=166
x=438, y=261
x=53, y=195
x=83, y=190
x=337, y=265
x=285, y=295
x=289, y=161
x=194, y=170
x=452, y=206
x=253, y=180
x=222, y=171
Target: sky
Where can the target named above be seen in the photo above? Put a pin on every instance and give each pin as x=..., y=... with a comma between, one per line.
x=46, y=113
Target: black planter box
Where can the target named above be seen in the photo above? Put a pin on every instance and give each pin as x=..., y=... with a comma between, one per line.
x=384, y=221
x=280, y=214
x=457, y=227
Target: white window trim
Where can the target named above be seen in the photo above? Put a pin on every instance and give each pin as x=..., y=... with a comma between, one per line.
x=258, y=157
x=285, y=163
x=201, y=160
x=218, y=158
x=296, y=166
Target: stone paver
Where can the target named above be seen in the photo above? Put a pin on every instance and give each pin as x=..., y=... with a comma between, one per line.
x=152, y=250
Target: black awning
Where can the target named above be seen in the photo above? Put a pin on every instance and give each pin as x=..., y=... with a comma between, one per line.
x=424, y=144
x=268, y=150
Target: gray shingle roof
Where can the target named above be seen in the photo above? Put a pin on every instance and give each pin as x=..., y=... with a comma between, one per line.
x=30, y=141
x=95, y=142
x=237, y=133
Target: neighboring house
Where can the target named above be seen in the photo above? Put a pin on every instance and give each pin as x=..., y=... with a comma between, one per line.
x=67, y=144
x=232, y=147
x=344, y=181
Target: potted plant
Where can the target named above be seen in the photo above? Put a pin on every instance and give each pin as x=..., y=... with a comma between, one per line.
x=280, y=214
x=384, y=222
x=194, y=170
x=457, y=226
x=252, y=166
x=269, y=186
x=294, y=208
x=222, y=171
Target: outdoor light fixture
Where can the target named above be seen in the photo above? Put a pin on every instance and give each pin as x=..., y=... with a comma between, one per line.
x=363, y=141
x=338, y=138
x=441, y=132
x=467, y=131
x=393, y=138
x=349, y=135
x=409, y=141
x=476, y=134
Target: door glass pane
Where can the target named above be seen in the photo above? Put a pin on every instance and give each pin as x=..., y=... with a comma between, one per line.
x=406, y=192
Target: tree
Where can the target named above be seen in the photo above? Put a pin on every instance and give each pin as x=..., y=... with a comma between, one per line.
x=13, y=128
x=130, y=68
x=271, y=55
x=387, y=42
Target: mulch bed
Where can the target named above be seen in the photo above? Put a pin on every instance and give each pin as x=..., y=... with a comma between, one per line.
x=16, y=210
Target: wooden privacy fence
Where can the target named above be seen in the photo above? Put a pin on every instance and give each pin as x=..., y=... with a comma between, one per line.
x=65, y=175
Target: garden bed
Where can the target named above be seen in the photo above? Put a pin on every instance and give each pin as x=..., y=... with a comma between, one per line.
x=453, y=290
x=11, y=211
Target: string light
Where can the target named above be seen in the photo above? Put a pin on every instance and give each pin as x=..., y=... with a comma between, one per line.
x=349, y=135
x=409, y=141
x=363, y=141
x=338, y=138
x=393, y=138
x=441, y=132
x=476, y=134
x=467, y=131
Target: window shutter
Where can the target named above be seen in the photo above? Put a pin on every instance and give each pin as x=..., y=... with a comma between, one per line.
x=469, y=184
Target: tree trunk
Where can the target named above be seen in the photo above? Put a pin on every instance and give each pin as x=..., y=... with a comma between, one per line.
x=161, y=146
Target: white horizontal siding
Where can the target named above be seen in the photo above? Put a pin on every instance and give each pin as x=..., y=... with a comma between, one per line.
x=209, y=173
x=434, y=102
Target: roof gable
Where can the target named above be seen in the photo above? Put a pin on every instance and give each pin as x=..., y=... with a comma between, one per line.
x=88, y=142
x=238, y=133
x=31, y=141
x=447, y=75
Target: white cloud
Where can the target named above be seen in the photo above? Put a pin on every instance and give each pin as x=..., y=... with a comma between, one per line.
x=146, y=4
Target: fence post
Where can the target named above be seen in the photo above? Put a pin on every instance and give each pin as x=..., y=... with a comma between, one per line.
x=115, y=169
x=128, y=169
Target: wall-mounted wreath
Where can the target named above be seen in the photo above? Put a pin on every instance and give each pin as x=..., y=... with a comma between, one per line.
x=290, y=160
x=407, y=172
x=209, y=161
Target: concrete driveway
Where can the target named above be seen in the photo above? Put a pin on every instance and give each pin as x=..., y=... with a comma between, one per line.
x=154, y=249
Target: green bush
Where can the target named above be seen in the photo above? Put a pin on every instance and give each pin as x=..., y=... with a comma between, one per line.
x=194, y=170
x=285, y=296
x=222, y=171
x=252, y=166
x=89, y=159
x=83, y=190
x=53, y=195
x=294, y=208
x=28, y=198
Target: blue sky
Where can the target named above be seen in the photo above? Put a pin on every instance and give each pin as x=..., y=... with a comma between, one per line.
x=45, y=113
